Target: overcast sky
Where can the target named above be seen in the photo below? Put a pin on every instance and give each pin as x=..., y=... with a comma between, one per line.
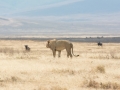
x=91, y=14
x=58, y=7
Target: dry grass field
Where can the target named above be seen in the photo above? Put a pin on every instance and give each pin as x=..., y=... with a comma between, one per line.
x=97, y=68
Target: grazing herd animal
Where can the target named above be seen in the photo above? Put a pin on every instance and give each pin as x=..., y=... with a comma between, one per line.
x=100, y=44
x=59, y=45
x=27, y=48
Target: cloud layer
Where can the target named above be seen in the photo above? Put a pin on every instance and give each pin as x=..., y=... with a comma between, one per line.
x=74, y=16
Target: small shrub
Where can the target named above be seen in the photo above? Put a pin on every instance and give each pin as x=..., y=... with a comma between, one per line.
x=109, y=85
x=12, y=79
x=2, y=84
x=95, y=84
x=100, y=69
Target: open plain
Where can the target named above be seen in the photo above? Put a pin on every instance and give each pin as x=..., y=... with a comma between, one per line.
x=97, y=68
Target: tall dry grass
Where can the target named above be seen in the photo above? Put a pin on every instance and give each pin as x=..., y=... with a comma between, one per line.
x=97, y=68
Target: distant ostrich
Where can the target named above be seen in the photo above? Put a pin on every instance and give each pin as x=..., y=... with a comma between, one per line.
x=99, y=44
x=27, y=48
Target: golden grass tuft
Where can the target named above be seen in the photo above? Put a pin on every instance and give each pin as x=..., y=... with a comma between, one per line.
x=109, y=85
x=106, y=85
x=100, y=68
x=12, y=79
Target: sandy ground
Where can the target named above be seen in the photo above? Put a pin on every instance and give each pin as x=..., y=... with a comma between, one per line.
x=97, y=68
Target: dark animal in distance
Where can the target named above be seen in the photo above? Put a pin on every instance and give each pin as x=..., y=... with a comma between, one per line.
x=27, y=48
x=59, y=45
x=100, y=44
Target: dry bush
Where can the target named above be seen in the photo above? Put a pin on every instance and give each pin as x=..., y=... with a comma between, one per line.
x=109, y=85
x=95, y=84
x=2, y=84
x=92, y=83
x=12, y=79
x=100, y=69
